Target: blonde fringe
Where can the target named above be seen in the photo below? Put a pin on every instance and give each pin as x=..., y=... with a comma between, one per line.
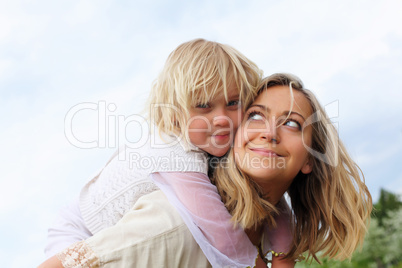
x=196, y=71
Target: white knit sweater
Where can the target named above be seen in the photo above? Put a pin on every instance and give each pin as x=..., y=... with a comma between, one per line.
x=126, y=177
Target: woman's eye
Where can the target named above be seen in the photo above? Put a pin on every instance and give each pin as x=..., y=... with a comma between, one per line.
x=255, y=116
x=292, y=123
x=233, y=103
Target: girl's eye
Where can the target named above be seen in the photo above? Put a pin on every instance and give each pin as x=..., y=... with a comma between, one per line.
x=293, y=123
x=202, y=105
x=257, y=116
x=233, y=103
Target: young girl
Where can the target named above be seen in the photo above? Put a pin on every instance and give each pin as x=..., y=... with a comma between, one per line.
x=196, y=105
x=286, y=143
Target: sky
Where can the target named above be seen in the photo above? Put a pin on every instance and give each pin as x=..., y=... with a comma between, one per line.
x=58, y=56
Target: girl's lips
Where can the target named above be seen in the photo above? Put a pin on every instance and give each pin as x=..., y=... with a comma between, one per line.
x=221, y=137
x=265, y=152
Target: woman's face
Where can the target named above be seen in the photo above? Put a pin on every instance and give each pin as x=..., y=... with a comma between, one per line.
x=271, y=147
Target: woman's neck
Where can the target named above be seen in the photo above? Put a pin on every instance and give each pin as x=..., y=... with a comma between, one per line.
x=254, y=234
x=274, y=193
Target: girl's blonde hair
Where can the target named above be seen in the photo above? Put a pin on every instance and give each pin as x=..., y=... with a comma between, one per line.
x=331, y=205
x=195, y=72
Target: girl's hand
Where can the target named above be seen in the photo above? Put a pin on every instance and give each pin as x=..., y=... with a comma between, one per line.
x=260, y=263
x=52, y=262
x=280, y=262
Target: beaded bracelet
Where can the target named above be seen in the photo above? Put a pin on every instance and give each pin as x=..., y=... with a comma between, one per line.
x=279, y=254
x=276, y=254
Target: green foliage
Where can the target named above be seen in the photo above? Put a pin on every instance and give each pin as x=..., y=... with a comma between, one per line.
x=382, y=246
x=387, y=203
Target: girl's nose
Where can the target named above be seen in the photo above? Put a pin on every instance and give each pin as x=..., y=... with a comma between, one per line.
x=222, y=120
x=220, y=117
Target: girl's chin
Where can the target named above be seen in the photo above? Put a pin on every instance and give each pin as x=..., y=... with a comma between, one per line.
x=217, y=152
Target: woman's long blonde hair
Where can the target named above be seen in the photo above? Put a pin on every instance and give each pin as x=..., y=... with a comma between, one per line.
x=331, y=205
x=195, y=72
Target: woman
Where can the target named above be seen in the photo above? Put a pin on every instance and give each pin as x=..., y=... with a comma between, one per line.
x=285, y=144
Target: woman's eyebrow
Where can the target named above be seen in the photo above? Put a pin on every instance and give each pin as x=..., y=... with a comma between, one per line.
x=285, y=113
x=293, y=112
x=263, y=107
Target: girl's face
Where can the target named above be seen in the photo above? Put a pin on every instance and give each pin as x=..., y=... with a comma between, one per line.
x=212, y=125
x=271, y=147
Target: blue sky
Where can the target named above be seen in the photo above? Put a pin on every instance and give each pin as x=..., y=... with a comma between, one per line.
x=57, y=54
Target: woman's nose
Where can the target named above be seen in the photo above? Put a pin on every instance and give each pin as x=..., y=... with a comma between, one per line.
x=269, y=132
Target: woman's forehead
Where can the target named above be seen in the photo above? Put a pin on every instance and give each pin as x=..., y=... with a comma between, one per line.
x=280, y=98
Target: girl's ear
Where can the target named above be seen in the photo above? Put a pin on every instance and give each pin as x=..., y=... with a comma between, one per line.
x=308, y=166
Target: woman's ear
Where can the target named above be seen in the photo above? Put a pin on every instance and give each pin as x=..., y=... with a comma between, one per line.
x=308, y=166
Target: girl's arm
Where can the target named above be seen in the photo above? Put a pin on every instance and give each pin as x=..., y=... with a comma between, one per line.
x=278, y=262
x=52, y=262
x=199, y=204
x=281, y=237
x=68, y=228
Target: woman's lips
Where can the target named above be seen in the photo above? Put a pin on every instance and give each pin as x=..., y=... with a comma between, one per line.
x=265, y=152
